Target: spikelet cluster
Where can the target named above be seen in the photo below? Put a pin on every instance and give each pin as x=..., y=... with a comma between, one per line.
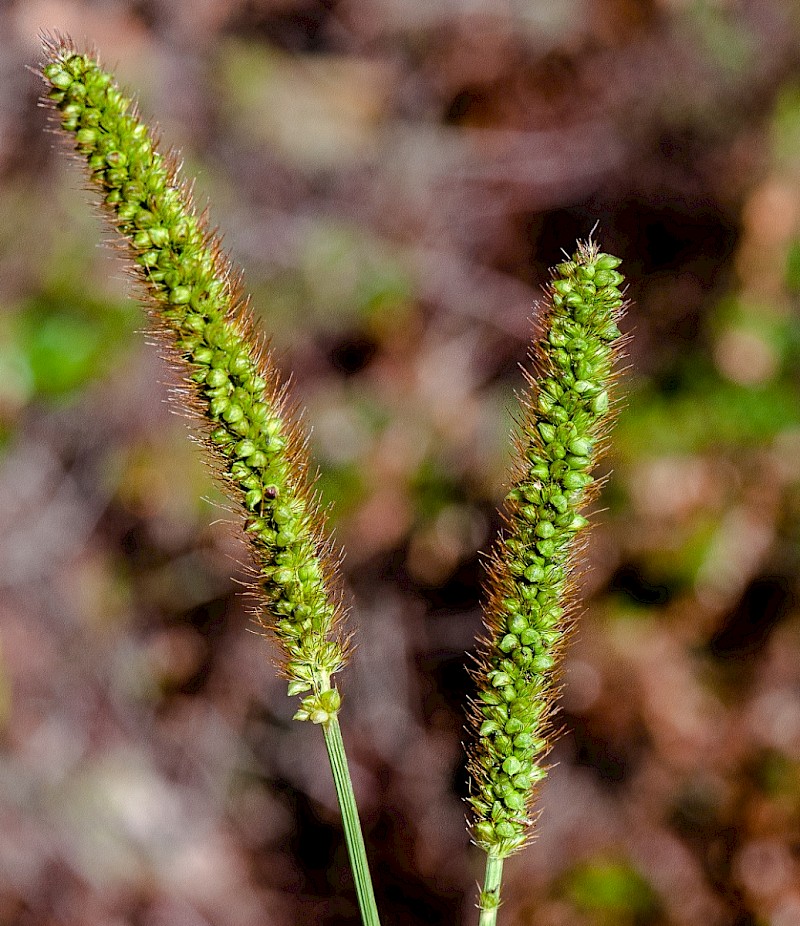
x=196, y=304
x=563, y=420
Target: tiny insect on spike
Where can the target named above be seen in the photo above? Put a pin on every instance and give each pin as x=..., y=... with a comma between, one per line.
x=527, y=619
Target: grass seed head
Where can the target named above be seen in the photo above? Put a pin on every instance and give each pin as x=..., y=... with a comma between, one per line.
x=560, y=431
x=232, y=388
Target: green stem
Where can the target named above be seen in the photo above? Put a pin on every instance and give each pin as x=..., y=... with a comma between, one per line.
x=352, y=825
x=490, y=895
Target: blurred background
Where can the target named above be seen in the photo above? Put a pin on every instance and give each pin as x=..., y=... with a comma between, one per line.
x=395, y=177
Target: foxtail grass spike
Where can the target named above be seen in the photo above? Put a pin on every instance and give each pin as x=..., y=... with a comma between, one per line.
x=196, y=305
x=563, y=421
x=232, y=388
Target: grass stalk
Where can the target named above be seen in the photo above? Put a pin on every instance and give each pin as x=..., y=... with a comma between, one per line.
x=351, y=822
x=490, y=895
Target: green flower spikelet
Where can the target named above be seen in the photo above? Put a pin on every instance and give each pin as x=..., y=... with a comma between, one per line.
x=195, y=302
x=564, y=418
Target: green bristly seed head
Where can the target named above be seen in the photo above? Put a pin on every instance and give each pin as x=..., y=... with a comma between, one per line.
x=563, y=420
x=234, y=390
